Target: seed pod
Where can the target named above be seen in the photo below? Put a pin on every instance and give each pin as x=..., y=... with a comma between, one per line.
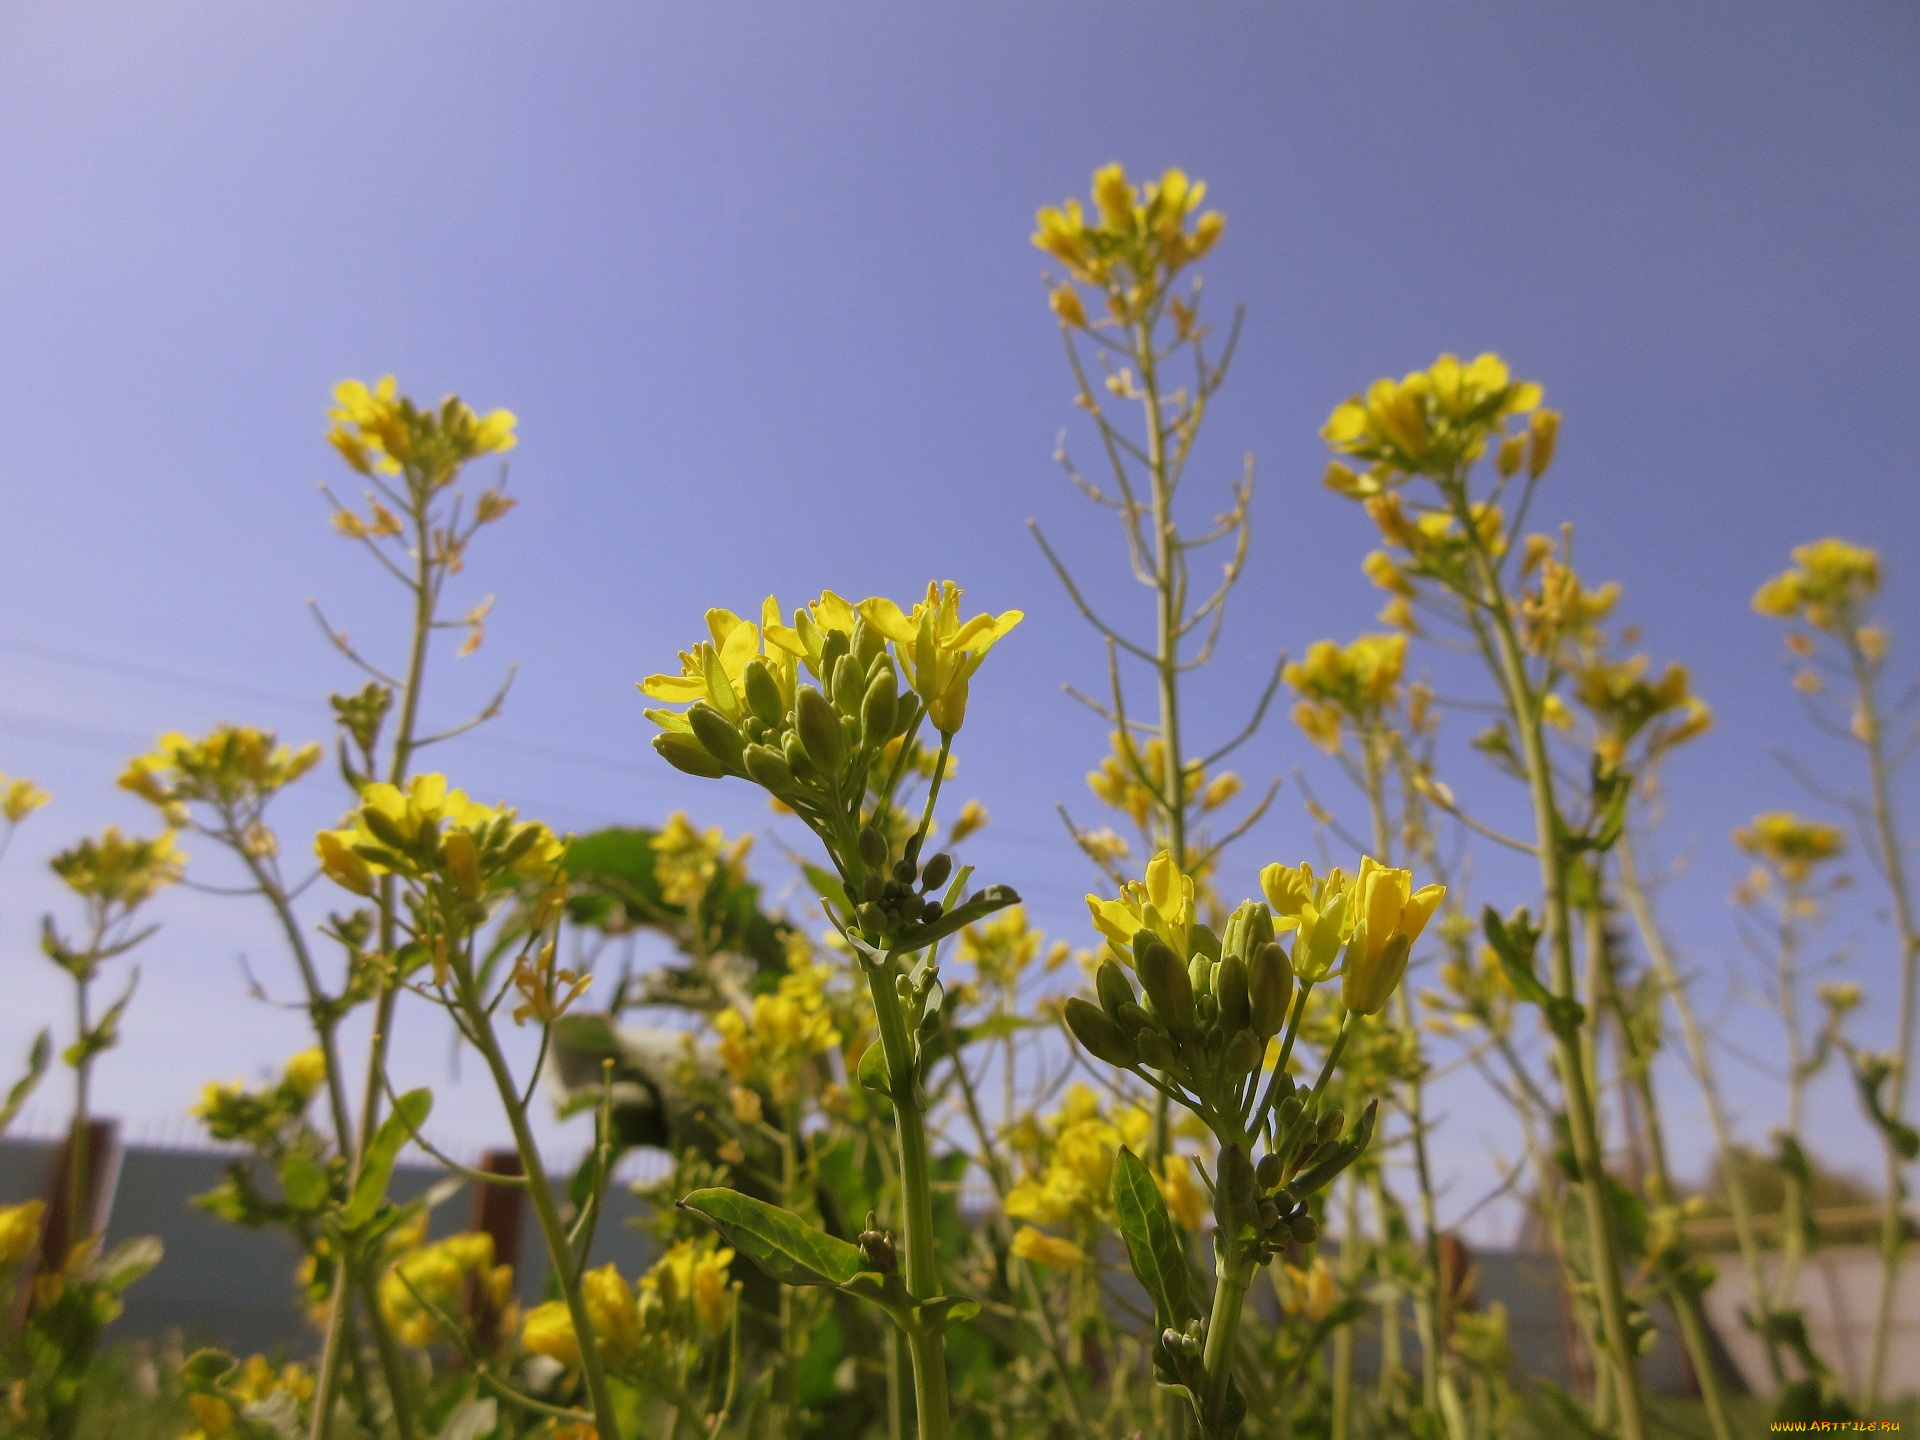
x=937, y=871
x=1269, y=1171
x=683, y=752
x=763, y=694
x=879, y=706
x=1165, y=980
x=1111, y=984
x=716, y=736
x=768, y=768
x=1230, y=988
x=1244, y=1053
x=819, y=730
x=1100, y=1036
x=1269, y=990
x=1132, y=1019
x=1155, y=1051
x=873, y=849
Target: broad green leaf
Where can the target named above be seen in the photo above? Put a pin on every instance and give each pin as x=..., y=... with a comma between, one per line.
x=304, y=1182
x=376, y=1171
x=127, y=1262
x=778, y=1241
x=1153, y=1243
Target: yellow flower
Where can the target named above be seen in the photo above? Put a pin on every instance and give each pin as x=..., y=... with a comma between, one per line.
x=1070, y=1161
x=214, y=1415
x=1355, y=683
x=1310, y=1291
x=715, y=670
x=1048, y=1250
x=19, y=798
x=1002, y=948
x=232, y=765
x=1163, y=903
x=20, y=1231
x=1828, y=581
x=306, y=1072
x=379, y=431
x=971, y=819
x=938, y=653
x=692, y=1282
x=120, y=869
x=613, y=1310
x=1389, y=916
x=688, y=861
x=771, y=1044
x=435, y=1277
x=1318, y=909
x=1140, y=241
x=1432, y=420
x=548, y=1330
x=1791, y=845
x=428, y=831
x=1184, y=1197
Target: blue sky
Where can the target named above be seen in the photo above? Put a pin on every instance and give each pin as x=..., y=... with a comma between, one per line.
x=756, y=279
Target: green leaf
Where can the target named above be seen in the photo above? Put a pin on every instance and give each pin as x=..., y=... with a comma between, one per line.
x=1153, y=1243
x=872, y=1071
x=37, y=1061
x=944, y=1310
x=127, y=1262
x=828, y=887
x=204, y=1368
x=919, y=937
x=778, y=1241
x=889, y=1292
x=304, y=1182
x=376, y=1171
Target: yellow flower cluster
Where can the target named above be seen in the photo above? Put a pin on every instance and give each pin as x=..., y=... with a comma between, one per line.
x=1310, y=1291
x=1375, y=918
x=937, y=651
x=1625, y=705
x=1002, y=948
x=19, y=798
x=1139, y=241
x=233, y=765
x=1559, y=609
x=1350, y=685
x=20, y=1231
x=784, y=1030
x=687, y=861
x=120, y=870
x=435, y=1277
x=1432, y=421
x=687, y=1294
x=230, y=1111
x=1791, y=846
x=1117, y=782
x=254, y=1382
x=1070, y=1159
x=379, y=431
x=428, y=831
x=1827, y=584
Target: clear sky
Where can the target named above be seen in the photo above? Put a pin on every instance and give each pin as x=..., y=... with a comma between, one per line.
x=756, y=279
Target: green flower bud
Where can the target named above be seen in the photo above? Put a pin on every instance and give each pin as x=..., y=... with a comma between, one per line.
x=1200, y=974
x=1132, y=1019
x=1202, y=941
x=1100, y=1036
x=1331, y=1124
x=763, y=694
x=716, y=736
x=1206, y=1011
x=1155, y=1051
x=1111, y=984
x=1305, y=1229
x=387, y=832
x=819, y=730
x=879, y=706
x=848, y=686
x=1248, y=928
x=868, y=643
x=929, y=912
x=1287, y=1114
x=937, y=871
x=1269, y=1215
x=768, y=768
x=1166, y=982
x=873, y=849
x=906, y=713
x=1269, y=1171
x=682, y=752
x=831, y=649
x=872, y=917
x=1244, y=1053
x=903, y=871
x=1269, y=990
x=1230, y=988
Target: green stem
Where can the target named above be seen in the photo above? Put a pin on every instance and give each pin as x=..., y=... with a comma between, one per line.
x=1223, y=1328
x=916, y=1200
x=1343, y=1338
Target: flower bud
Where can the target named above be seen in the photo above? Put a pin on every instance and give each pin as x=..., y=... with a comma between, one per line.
x=819, y=730
x=763, y=694
x=1269, y=989
x=1230, y=988
x=873, y=849
x=849, y=685
x=1200, y=974
x=683, y=752
x=879, y=706
x=936, y=872
x=1269, y=1171
x=1132, y=1019
x=1100, y=1036
x=1331, y=1124
x=868, y=643
x=768, y=768
x=831, y=649
x=384, y=828
x=718, y=738
x=1287, y=1114
x=1244, y=1052
x=1305, y=1229
x=1167, y=984
x=1111, y=984
x=463, y=865
x=1155, y=1051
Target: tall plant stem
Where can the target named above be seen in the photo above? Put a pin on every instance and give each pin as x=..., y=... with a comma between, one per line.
x=1223, y=1330
x=1582, y=1123
x=1343, y=1337
x=1654, y=941
x=928, y=1348
x=1682, y=1295
x=1893, y=862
